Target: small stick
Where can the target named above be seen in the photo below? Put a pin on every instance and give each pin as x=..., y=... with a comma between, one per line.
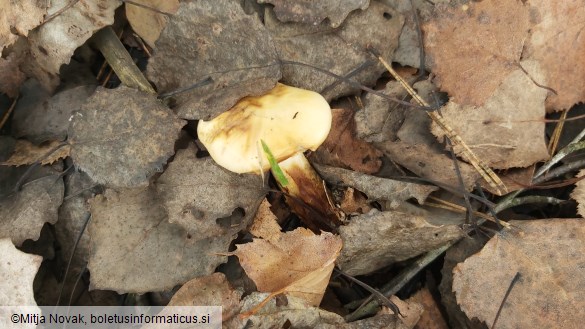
x=512, y=283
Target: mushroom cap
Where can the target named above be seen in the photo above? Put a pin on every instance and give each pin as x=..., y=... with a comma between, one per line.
x=288, y=119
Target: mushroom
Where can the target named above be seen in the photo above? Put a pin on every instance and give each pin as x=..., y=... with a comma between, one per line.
x=289, y=121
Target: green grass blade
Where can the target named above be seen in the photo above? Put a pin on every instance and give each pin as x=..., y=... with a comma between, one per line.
x=276, y=171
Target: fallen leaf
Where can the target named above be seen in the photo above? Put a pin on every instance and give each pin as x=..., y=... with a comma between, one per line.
x=376, y=188
x=557, y=43
x=514, y=179
x=508, y=130
x=121, y=137
x=39, y=118
x=10, y=75
x=53, y=43
x=392, y=236
x=353, y=202
x=147, y=22
x=408, y=51
x=475, y=46
x=298, y=263
x=23, y=213
x=17, y=18
x=431, y=317
x=201, y=196
x=318, y=45
x=578, y=194
x=26, y=153
x=343, y=149
x=213, y=289
x=213, y=39
x=135, y=249
x=314, y=12
x=547, y=255
x=265, y=223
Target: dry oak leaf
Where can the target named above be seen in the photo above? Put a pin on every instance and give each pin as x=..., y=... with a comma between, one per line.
x=388, y=237
x=558, y=44
x=508, y=130
x=147, y=22
x=26, y=153
x=18, y=18
x=298, y=42
x=473, y=47
x=10, y=75
x=314, y=12
x=217, y=40
x=298, y=263
x=548, y=256
x=53, y=43
x=343, y=149
x=578, y=194
x=206, y=199
x=135, y=249
x=121, y=137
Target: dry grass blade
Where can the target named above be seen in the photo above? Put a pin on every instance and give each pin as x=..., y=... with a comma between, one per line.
x=486, y=172
x=459, y=209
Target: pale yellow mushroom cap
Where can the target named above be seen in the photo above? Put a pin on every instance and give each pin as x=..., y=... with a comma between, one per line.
x=289, y=120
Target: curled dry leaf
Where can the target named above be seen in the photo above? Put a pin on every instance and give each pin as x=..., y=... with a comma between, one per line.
x=23, y=213
x=548, y=256
x=26, y=153
x=508, y=130
x=343, y=149
x=376, y=188
x=298, y=263
x=135, y=249
x=474, y=47
x=18, y=18
x=314, y=12
x=149, y=22
x=578, y=194
x=206, y=199
x=317, y=45
x=121, y=137
x=213, y=39
x=377, y=239
x=53, y=43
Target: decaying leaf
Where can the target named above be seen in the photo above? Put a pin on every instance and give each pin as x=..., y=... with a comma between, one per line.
x=135, y=249
x=213, y=39
x=23, y=213
x=548, y=256
x=122, y=136
x=317, y=45
x=343, y=149
x=376, y=188
x=354, y=202
x=475, y=46
x=558, y=44
x=298, y=263
x=10, y=75
x=578, y=194
x=53, y=43
x=18, y=18
x=508, y=130
x=40, y=119
x=206, y=199
x=147, y=22
x=392, y=236
x=265, y=223
x=431, y=317
x=26, y=153
x=408, y=51
x=213, y=289
x=314, y=12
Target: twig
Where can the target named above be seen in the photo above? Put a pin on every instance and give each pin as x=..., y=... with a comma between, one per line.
x=531, y=199
x=7, y=114
x=575, y=145
x=85, y=222
x=512, y=283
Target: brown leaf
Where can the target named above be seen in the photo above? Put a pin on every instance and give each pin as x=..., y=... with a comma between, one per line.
x=508, y=130
x=318, y=45
x=121, y=137
x=376, y=188
x=354, y=202
x=298, y=263
x=265, y=223
x=431, y=318
x=392, y=236
x=18, y=18
x=514, y=179
x=131, y=238
x=213, y=39
x=548, y=255
x=26, y=153
x=23, y=213
x=17, y=270
x=10, y=75
x=474, y=47
x=146, y=22
x=213, y=289
x=578, y=194
x=53, y=43
x=206, y=199
x=557, y=43
x=314, y=12
x=343, y=149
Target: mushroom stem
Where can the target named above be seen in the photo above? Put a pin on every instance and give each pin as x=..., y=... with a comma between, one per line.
x=307, y=194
